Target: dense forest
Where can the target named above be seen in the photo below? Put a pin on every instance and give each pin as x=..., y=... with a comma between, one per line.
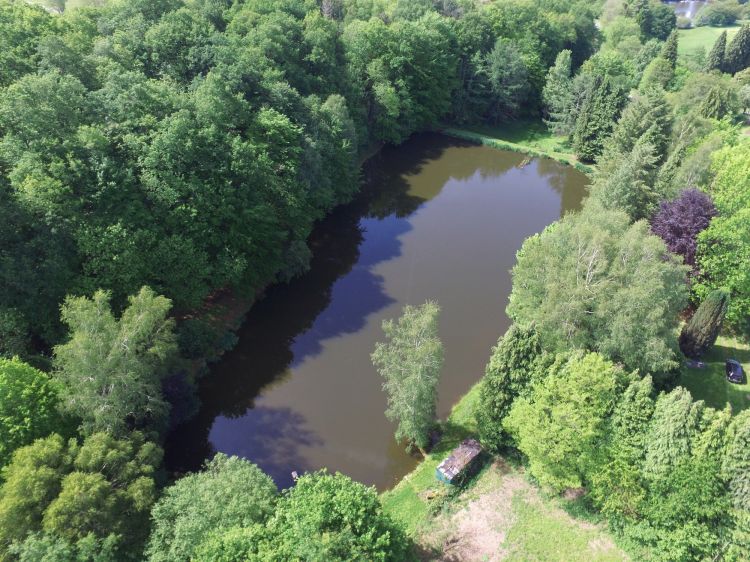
x=156, y=153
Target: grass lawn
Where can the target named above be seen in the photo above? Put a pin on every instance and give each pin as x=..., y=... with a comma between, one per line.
x=710, y=384
x=499, y=515
x=692, y=40
x=531, y=137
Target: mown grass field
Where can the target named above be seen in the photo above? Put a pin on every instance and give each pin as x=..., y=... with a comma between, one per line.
x=499, y=515
x=710, y=384
x=693, y=41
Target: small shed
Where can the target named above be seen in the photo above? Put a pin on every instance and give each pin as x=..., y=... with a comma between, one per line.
x=459, y=463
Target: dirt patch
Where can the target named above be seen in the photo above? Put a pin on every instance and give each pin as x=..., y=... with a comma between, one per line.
x=478, y=530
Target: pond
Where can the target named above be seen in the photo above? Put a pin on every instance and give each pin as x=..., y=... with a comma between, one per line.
x=437, y=218
x=688, y=8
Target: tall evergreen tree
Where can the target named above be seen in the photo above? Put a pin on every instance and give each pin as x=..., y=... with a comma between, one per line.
x=715, y=59
x=629, y=186
x=410, y=361
x=673, y=427
x=669, y=49
x=738, y=51
x=736, y=472
x=508, y=374
x=700, y=333
x=647, y=119
x=597, y=117
x=616, y=483
x=558, y=91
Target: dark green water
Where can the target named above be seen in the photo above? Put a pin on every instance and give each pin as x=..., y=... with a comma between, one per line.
x=437, y=219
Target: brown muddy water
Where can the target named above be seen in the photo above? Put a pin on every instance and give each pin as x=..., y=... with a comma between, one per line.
x=437, y=218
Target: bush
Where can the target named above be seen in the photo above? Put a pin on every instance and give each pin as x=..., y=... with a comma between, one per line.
x=719, y=14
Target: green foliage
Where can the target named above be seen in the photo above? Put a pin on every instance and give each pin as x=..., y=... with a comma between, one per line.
x=513, y=366
x=738, y=51
x=724, y=247
x=701, y=331
x=669, y=49
x=715, y=59
x=40, y=546
x=617, y=485
x=558, y=91
x=230, y=492
x=28, y=406
x=656, y=20
x=719, y=13
x=594, y=281
x=561, y=424
x=595, y=121
x=102, y=489
x=658, y=74
x=21, y=25
x=628, y=185
x=670, y=433
x=410, y=361
x=111, y=368
x=686, y=513
x=508, y=79
x=331, y=517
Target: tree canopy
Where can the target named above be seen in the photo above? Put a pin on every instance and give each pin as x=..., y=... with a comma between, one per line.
x=594, y=281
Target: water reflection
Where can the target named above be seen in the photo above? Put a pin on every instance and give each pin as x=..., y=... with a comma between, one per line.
x=437, y=218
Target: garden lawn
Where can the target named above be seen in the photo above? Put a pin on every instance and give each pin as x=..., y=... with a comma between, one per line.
x=711, y=385
x=693, y=40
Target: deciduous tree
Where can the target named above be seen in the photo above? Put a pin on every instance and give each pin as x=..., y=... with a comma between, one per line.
x=594, y=281
x=410, y=360
x=560, y=425
x=29, y=402
x=110, y=369
x=680, y=221
x=229, y=492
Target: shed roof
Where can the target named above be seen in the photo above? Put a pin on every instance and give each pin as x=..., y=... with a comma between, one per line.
x=460, y=458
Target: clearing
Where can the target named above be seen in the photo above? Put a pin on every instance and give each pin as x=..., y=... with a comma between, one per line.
x=498, y=516
x=710, y=384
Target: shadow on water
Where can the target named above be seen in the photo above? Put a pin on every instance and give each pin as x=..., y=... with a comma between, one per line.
x=289, y=324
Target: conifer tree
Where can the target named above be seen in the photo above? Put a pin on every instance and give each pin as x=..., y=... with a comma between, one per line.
x=673, y=427
x=738, y=51
x=629, y=186
x=509, y=373
x=596, y=120
x=646, y=119
x=669, y=49
x=700, y=333
x=736, y=472
x=558, y=91
x=715, y=60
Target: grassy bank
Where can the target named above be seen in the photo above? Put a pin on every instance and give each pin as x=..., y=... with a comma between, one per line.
x=528, y=137
x=710, y=384
x=498, y=515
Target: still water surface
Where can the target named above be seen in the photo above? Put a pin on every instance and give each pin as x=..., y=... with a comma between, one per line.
x=436, y=219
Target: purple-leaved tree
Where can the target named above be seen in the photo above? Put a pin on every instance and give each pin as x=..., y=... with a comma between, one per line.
x=678, y=222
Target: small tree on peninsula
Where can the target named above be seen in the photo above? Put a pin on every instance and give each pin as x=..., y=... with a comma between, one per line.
x=410, y=360
x=700, y=333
